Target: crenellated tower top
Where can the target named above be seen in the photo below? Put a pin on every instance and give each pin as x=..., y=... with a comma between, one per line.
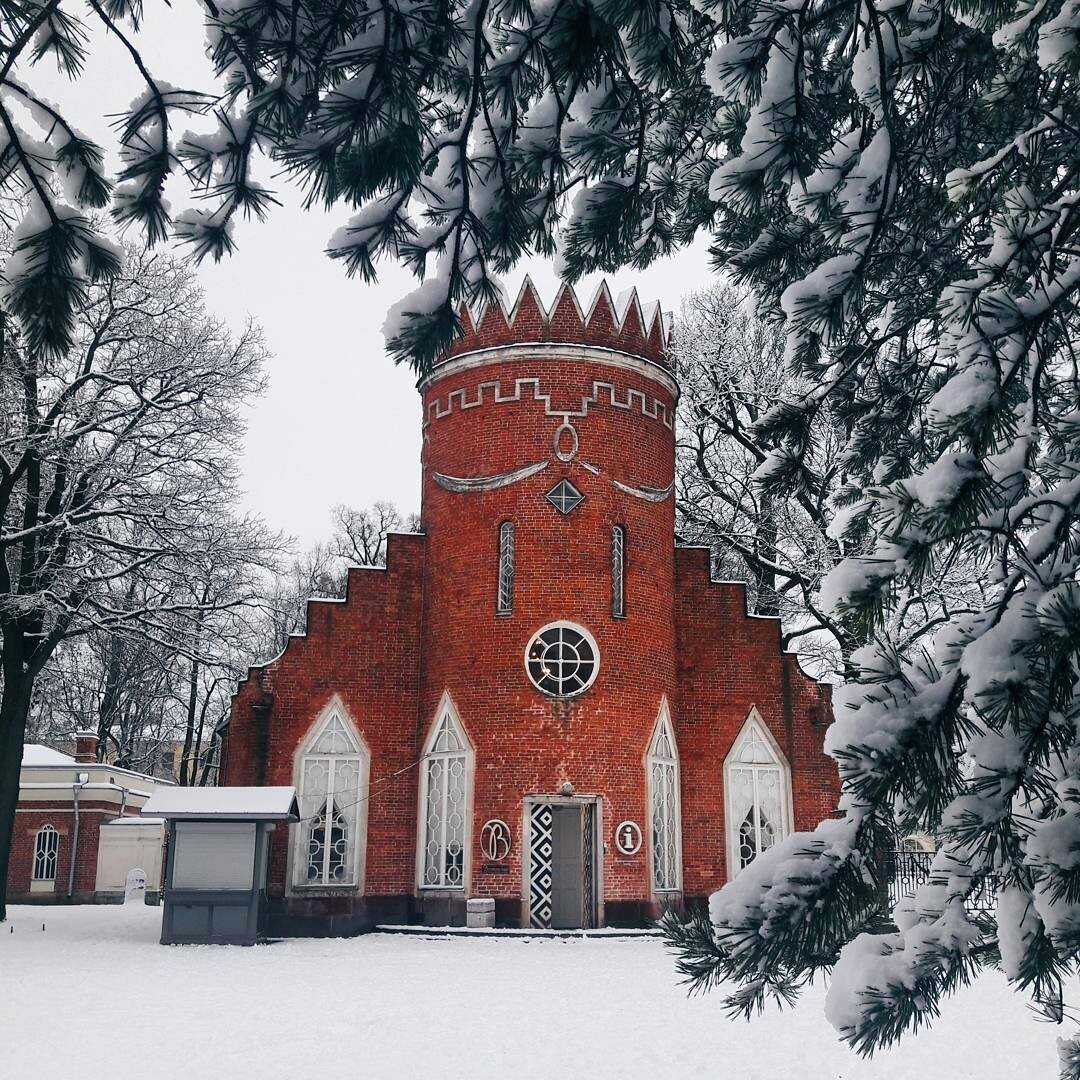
x=635, y=330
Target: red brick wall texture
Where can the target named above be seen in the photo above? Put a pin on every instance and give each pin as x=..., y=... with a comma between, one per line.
x=590, y=398
x=29, y=818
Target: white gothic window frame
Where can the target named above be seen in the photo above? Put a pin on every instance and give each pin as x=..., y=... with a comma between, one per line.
x=46, y=853
x=672, y=819
x=445, y=834
x=753, y=724
x=353, y=809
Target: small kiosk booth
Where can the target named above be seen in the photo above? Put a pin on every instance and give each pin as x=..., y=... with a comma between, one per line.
x=217, y=856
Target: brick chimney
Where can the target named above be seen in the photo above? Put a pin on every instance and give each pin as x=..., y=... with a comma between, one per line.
x=86, y=747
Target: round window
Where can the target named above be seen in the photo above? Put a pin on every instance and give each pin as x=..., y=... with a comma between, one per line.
x=562, y=659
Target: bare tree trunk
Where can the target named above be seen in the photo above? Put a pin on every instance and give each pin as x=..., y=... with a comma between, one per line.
x=187, y=766
x=110, y=696
x=14, y=709
x=203, y=709
x=212, y=752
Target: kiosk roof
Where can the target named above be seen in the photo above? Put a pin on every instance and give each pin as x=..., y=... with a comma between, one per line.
x=224, y=803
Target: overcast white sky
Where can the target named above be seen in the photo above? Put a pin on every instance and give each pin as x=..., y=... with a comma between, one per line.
x=339, y=423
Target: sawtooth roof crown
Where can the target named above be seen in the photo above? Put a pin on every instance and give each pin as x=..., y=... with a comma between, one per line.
x=641, y=332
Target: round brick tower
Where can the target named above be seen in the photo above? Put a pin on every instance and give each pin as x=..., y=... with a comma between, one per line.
x=548, y=505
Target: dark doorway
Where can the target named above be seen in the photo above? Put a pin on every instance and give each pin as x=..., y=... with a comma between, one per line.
x=563, y=872
x=566, y=867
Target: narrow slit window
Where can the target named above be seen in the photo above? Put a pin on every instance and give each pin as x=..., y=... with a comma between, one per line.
x=618, y=572
x=504, y=604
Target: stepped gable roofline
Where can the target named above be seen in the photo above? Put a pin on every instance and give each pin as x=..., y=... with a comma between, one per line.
x=625, y=326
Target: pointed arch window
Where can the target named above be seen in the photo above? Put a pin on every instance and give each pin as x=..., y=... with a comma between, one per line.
x=618, y=572
x=757, y=793
x=444, y=803
x=333, y=781
x=663, y=780
x=46, y=845
x=504, y=603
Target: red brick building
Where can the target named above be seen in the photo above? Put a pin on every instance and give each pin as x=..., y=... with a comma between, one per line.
x=67, y=846
x=540, y=699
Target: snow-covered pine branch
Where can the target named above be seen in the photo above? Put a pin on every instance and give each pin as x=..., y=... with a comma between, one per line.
x=931, y=304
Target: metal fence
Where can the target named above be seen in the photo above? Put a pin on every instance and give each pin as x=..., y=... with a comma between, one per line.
x=905, y=869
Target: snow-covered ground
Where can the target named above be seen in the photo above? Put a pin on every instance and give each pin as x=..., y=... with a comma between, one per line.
x=94, y=997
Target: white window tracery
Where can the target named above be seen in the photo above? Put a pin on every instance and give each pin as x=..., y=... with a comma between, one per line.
x=757, y=793
x=663, y=777
x=46, y=845
x=444, y=804
x=562, y=659
x=333, y=779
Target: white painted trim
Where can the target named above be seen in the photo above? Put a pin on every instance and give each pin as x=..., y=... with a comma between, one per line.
x=663, y=717
x=539, y=350
x=111, y=793
x=334, y=707
x=446, y=705
x=661, y=412
x=731, y=828
x=93, y=767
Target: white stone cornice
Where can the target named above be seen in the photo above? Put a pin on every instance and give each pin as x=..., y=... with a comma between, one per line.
x=543, y=350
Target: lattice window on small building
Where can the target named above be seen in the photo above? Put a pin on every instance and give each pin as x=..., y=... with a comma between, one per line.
x=504, y=603
x=663, y=780
x=444, y=828
x=46, y=844
x=332, y=797
x=757, y=791
x=618, y=572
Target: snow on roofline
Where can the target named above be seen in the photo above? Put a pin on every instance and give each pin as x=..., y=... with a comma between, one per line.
x=37, y=754
x=96, y=766
x=225, y=803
